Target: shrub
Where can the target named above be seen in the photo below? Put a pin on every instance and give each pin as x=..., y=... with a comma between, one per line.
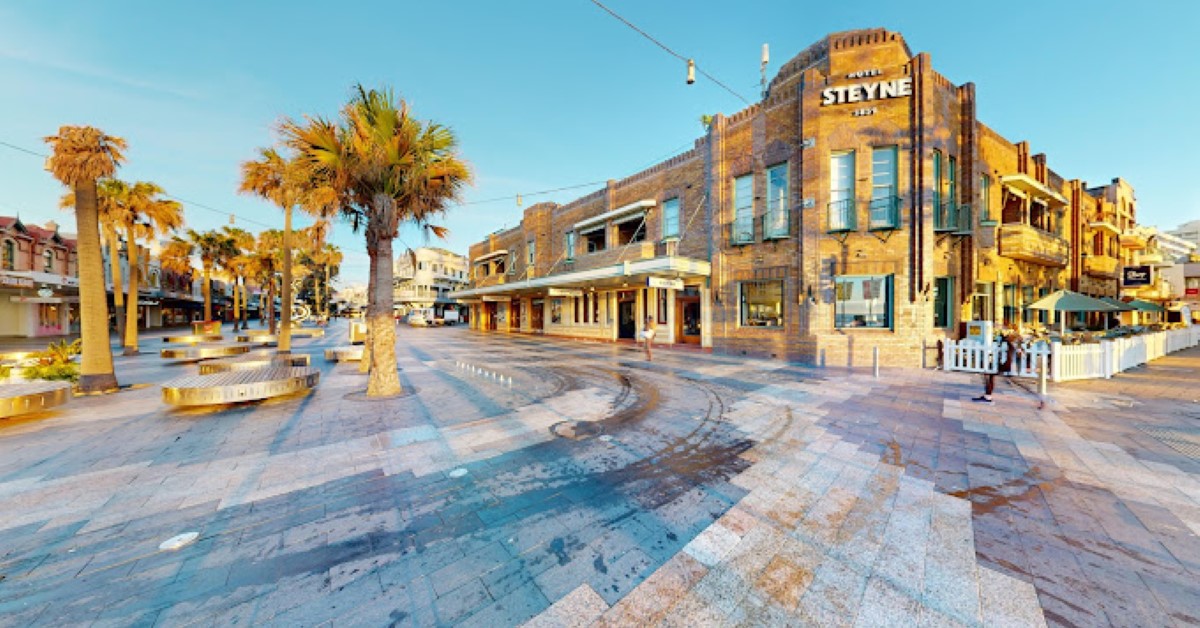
x=59, y=372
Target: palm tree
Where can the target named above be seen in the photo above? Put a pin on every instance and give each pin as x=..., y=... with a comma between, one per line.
x=112, y=208
x=330, y=258
x=273, y=178
x=212, y=247
x=237, y=266
x=80, y=156
x=263, y=264
x=382, y=167
x=150, y=215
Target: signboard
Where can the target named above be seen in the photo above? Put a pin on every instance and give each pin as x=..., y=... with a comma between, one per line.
x=980, y=331
x=664, y=284
x=15, y=282
x=1192, y=292
x=36, y=299
x=1134, y=276
x=564, y=292
x=864, y=92
x=491, y=299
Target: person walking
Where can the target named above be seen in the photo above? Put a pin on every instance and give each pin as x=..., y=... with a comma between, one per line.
x=1003, y=366
x=648, y=337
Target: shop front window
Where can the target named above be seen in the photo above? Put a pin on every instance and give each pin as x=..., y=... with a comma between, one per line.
x=556, y=311
x=863, y=301
x=761, y=303
x=981, y=301
x=943, y=301
x=10, y=255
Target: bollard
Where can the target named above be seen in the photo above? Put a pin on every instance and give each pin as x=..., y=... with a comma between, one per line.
x=875, y=361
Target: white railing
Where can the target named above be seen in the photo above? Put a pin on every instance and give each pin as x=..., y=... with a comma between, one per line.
x=1069, y=362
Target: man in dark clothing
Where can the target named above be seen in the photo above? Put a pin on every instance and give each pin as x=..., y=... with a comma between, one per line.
x=1003, y=366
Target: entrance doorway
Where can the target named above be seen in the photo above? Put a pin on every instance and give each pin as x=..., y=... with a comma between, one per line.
x=687, y=315
x=627, y=314
x=489, y=316
x=514, y=321
x=536, y=311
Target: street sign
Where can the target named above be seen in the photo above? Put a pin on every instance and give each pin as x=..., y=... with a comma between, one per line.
x=664, y=284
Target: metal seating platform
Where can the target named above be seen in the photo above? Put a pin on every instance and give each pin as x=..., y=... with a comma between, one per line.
x=193, y=339
x=307, y=332
x=253, y=361
x=201, y=353
x=34, y=396
x=239, y=386
x=344, y=354
x=259, y=339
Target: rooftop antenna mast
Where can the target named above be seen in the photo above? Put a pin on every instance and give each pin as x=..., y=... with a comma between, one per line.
x=766, y=58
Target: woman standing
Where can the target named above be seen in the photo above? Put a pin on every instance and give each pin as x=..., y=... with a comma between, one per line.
x=648, y=337
x=1003, y=366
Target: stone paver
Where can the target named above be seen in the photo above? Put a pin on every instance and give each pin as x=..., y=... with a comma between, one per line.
x=725, y=491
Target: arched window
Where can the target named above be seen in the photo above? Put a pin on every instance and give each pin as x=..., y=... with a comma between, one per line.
x=49, y=257
x=10, y=255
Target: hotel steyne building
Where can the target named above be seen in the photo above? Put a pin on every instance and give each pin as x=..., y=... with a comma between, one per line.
x=860, y=204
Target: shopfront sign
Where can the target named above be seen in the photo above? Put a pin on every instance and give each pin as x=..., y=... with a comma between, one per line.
x=1134, y=276
x=15, y=282
x=864, y=92
x=664, y=284
x=16, y=299
x=1192, y=292
x=564, y=292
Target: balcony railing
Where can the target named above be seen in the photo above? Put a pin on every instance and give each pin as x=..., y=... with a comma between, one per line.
x=952, y=218
x=1028, y=243
x=842, y=216
x=1101, y=265
x=741, y=230
x=884, y=213
x=777, y=224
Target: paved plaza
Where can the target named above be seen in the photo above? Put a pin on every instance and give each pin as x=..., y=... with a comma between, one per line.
x=558, y=483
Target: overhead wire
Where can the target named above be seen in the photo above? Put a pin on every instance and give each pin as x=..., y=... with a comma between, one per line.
x=668, y=49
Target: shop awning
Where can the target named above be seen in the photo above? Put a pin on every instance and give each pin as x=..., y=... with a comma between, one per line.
x=489, y=256
x=682, y=267
x=616, y=213
x=1146, y=306
x=1067, y=301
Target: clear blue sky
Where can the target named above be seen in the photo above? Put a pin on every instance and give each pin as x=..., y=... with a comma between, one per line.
x=551, y=93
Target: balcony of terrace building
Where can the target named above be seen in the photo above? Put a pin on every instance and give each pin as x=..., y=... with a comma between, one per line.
x=1104, y=266
x=1032, y=244
x=952, y=218
x=1104, y=221
x=1135, y=238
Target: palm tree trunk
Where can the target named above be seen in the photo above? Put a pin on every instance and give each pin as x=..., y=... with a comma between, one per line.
x=325, y=301
x=96, y=368
x=285, y=309
x=131, y=323
x=207, y=295
x=271, y=305
x=381, y=336
x=237, y=304
x=364, y=365
x=245, y=306
x=114, y=262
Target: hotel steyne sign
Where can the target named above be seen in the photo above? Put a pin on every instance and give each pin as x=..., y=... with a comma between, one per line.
x=865, y=92
x=1136, y=276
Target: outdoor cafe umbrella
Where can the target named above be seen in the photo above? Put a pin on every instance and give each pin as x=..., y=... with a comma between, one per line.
x=1117, y=303
x=1067, y=301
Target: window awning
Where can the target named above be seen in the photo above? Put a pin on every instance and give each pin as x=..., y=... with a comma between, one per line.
x=670, y=266
x=1033, y=187
x=620, y=211
x=484, y=258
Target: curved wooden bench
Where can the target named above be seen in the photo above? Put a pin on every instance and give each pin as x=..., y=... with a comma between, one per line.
x=25, y=397
x=254, y=361
x=238, y=386
x=344, y=354
x=193, y=339
x=200, y=353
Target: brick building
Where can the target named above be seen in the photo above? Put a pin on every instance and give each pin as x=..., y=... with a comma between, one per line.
x=859, y=205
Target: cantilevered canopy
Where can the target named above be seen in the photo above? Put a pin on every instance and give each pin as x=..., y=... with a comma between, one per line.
x=1067, y=301
x=1145, y=306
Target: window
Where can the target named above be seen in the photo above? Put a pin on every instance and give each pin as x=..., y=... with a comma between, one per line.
x=1027, y=316
x=937, y=181
x=981, y=301
x=1011, y=307
x=885, y=206
x=512, y=263
x=662, y=307
x=741, y=229
x=863, y=301
x=631, y=230
x=556, y=311
x=420, y=265
x=570, y=245
x=761, y=303
x=841, y=192
x=596, y=307
x=1043, y=315
x=577, y=309
x=943, y=301
x=531, y=252
x=952, y=182
x=595, y=239
x=985, y=196
x=670, y=218
x=776, y=223
x=10, y=255
x=48, y=255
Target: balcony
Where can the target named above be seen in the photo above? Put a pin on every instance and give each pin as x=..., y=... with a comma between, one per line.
x=777, y=224
x=952, y=218
x=1134, y=239
x=741, y=230
x=884, y=213
x=1101, y=266
x=1154, y=258
x=1028, y=243
x=1104, y=222
x=842, y=217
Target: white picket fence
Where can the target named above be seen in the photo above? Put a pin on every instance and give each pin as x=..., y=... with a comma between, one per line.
x=1068, y=362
